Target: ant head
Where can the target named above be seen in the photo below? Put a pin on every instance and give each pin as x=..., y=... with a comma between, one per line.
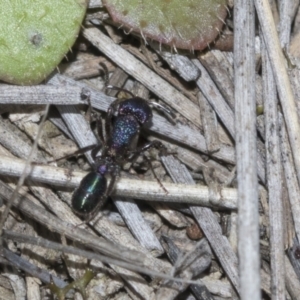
x=137, y=107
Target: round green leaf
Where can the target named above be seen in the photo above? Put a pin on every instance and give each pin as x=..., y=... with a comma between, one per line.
x=185, y=24
x=35, y=36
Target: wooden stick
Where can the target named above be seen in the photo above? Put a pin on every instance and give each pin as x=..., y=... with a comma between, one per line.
x=245, y=137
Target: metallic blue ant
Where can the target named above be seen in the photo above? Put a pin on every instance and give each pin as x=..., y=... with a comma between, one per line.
x=124, y=120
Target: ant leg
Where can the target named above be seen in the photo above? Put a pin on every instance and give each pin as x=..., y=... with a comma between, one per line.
x=134, y=154
x=154, y=144
x=100, y=130
x=154, y=174
x=80, y=151
x=95, y=151
x=87, y=95
x=108, y=120
x=88, y=115
x=162, y=152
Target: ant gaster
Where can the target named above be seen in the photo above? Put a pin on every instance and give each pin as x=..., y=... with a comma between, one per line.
x=124, y=120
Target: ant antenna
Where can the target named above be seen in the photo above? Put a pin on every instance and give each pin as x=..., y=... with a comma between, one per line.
x=106, y=79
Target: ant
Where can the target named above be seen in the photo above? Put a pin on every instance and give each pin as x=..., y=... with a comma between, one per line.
x=123, y=123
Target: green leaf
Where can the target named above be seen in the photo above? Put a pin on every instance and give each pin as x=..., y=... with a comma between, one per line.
x=185, y=24
x=35, y=36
